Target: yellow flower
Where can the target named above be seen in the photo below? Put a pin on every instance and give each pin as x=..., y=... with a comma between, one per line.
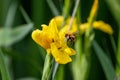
x=50, y=39
x=93, y=10
x=59, y=21
x=46, y=36
x=103, y=27
x=63, y=30
x=61, y=52
x=100, y=25
x=68, y=21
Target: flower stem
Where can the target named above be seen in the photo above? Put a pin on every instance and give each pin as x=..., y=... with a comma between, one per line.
x=3, y=68
x=55, y=70
x=118, y=55
x=47, y=67
x=73, y=14
x=66, y=8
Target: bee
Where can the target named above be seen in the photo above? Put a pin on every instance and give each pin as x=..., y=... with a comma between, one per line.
x=70, y=37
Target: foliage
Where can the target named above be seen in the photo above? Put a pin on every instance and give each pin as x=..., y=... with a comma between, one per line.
x=90, y=28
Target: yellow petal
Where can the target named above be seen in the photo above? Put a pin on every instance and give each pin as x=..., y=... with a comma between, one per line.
x=41, y=38
x=93, y=9
x=68, y=21
x=70, y=51
x=100, y=25
x=83, y=27
x=103, y=27
x=60, y=55
x=53, y=31
x=59, y=20
x=62, y=32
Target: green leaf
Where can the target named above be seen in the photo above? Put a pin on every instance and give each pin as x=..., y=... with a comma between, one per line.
x=114, y=6
x=10, y=36
x=53, y=8
x=28, y=78
x=105, y=62
x=3, y=68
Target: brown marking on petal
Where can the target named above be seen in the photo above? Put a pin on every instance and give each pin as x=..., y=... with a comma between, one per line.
x=53, y=40
x=59, y=47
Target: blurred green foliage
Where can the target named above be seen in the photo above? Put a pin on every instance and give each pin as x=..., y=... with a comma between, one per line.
x=26, y=58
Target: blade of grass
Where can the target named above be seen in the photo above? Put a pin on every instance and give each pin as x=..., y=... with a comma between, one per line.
x=73, y=14
x=115, y=9
x=60, y=73
x=47, y=68
x=55, y=70
x=118, y=55
x=105, y=62
x=11, y=13
x=66, y=8
x=28, y=20
x=3, y=68
x=53, y=8
x=113, y=44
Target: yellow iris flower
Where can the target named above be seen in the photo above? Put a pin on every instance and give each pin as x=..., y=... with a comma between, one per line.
x=100, y=25
x=50, y=39
x=63, y=30
x=59, y=20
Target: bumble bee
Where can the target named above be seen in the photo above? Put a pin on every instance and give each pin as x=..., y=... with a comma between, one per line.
x=70, y=37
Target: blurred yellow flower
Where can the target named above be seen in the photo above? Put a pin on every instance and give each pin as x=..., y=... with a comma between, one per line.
x=59, y=21
x=100, y=25
x=63, y=30
x=50, y=39
x=94, y=9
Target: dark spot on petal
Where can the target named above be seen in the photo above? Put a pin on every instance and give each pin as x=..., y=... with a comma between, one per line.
x=59, y=47
x=53, y=40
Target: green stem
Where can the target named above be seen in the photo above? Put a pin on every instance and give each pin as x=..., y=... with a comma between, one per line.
x=73, y=14
x=3, y=67
x=118, y=54
x=78, y=16
x=66, y=8
x=80, y=64
x=55, y=70
x=78, y=48
x=47, y=67
x=77, y=60
x=60, y=73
